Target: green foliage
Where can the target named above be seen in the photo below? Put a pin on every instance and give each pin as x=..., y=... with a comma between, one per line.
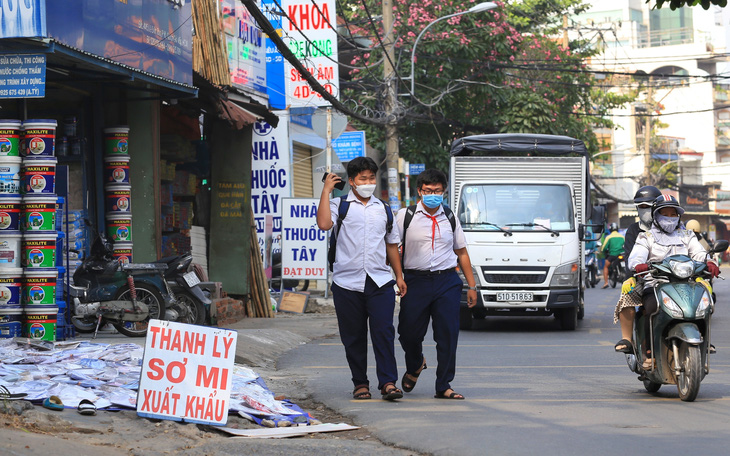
x=500, y=71
x=674, y=4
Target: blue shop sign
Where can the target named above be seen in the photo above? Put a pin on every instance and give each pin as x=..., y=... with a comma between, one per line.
x=349, y=145
x=22, y=76
x=416, y=168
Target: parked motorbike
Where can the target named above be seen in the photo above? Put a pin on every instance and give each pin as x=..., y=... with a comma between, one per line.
x=125, y=295
x=591, y=271
x=617, y=271
x=289, y=284
x=679, y=337
x=190, y=301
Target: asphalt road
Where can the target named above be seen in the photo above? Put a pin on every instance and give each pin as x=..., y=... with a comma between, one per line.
x=533, y=389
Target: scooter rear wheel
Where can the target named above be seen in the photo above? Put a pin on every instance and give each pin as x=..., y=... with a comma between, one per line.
x=154, y=302
x=195, y=308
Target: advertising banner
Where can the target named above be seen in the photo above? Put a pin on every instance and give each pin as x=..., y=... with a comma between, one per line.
x=22, y=76
x=308, y=31
x=187, y=373
x=303, y=244
x=275, y=86
x=270, y=178
x=245, y=45
x=155, y=36
x=22, y=18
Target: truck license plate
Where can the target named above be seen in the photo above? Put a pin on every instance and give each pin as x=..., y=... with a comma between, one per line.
x=514, y=296
x=191, y=278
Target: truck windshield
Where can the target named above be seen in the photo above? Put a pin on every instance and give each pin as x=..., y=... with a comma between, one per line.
x=526, y=207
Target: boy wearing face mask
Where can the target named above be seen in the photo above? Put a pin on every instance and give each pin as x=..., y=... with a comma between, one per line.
x=431, y=251
x=665, y=238
x=362, y=284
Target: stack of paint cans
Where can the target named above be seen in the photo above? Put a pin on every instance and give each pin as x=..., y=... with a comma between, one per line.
x=118, y=191
x=38, y=224
x=11, y=274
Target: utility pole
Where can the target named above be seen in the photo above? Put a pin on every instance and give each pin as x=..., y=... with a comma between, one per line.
x=647, y=136
x=391, y=104
x=566, y=42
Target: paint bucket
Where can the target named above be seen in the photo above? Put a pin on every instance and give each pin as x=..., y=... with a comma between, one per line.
x=39, y=287
x=38, y=213
x=118, y=197
x=119, y=226
x=39, y=136
x=123, y=252
x=10, y=243
x=116, y=140
x=9, y=138
x=38, y=250
x=40, y=322
x=39, y=176
x=10, y=175
x=10, y=287
x=116, y=169
x=9, y=214
x=11, y=322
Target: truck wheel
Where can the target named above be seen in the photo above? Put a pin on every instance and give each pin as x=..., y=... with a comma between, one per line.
x=568, y=318
x=581, y=309
x=465, y=318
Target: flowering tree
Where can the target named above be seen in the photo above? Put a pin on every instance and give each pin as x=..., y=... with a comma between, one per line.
x=503, y=70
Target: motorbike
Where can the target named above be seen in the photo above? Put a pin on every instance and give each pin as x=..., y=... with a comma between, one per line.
x=289, y=284
x=591, y=271
x=617, y=271
x=183, y=282
x=127, y=295
x=679, y=335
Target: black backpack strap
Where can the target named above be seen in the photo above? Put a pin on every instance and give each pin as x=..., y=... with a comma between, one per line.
x=452, y=219
x=410, y=212
x=389, y=216
x=342, y=209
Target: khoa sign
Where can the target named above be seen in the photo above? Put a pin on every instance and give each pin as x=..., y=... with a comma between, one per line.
x=309, y=34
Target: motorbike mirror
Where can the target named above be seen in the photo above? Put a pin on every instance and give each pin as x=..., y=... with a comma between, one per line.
x=719, y=246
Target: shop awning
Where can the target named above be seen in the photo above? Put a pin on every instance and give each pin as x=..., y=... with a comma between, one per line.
x=234, y=114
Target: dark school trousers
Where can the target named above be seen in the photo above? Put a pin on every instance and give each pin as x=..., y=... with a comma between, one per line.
x=436, y=298
x=355, y=311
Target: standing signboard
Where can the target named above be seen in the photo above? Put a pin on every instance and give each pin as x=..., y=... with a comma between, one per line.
x=308, y=32
x=303, y=244
x=187, y=373
x=270, y=179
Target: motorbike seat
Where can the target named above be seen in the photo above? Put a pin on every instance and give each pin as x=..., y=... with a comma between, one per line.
x=144, y=267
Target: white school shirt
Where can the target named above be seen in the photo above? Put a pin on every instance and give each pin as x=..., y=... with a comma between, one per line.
x=419, y=254
x=361, y=244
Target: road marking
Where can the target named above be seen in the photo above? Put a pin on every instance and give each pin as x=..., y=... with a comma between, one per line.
x=463, y=405
x=594, y=331
x=595, y=321
x=599, y=313
x=714, y=367
x=461, y=345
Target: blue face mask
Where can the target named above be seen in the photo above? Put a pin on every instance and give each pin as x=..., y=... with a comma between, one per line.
x=432, y=201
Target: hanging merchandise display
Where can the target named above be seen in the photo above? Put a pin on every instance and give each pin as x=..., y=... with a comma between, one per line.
x=116, y=140
x=39, y=176
x=9, y=214
x=10, y=137
x=39, y=138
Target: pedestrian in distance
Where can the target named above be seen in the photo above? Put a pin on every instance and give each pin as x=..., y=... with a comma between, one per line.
x=432, y=245
x=362, y=283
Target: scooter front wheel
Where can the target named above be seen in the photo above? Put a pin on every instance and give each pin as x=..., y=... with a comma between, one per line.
x=688, y=380
x=154, y=302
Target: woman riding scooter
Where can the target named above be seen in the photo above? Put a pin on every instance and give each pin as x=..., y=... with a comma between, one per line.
x=665, y=238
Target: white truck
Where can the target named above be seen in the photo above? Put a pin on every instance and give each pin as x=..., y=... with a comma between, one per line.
x=523, y=202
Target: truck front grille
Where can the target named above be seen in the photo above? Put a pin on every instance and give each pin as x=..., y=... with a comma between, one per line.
x=514, y=275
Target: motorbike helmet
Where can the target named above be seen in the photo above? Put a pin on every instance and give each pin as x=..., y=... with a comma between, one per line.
x=693, y=225
x=647, y=194
x=663, y=201
x=612, y=227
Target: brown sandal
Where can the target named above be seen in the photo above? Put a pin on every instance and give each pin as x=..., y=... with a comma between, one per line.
x=361, y=393
x=408, y=382
x=452, y=395
x=390, y=392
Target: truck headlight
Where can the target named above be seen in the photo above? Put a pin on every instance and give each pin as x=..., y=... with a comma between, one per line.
x=566, y=275
x=671, y=307
x=703, y=306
